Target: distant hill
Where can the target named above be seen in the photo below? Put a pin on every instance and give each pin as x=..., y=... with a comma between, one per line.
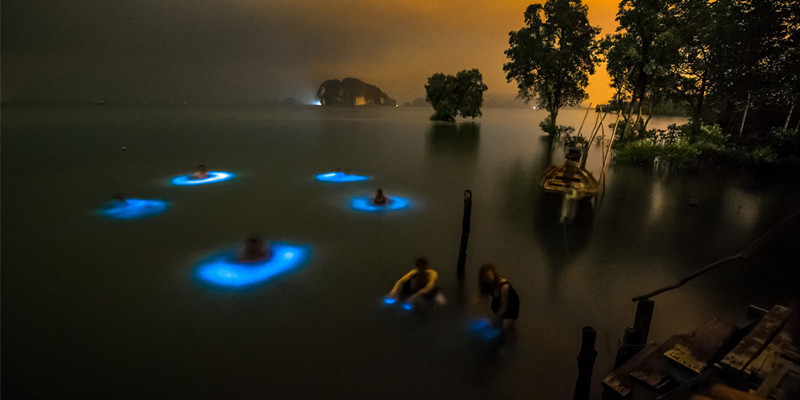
x=352, y=92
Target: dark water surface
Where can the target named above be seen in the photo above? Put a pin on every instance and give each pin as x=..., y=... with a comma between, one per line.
x=97, y=308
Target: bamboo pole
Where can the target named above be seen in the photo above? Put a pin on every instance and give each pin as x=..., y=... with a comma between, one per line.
x=584, y=119
x=744, y=117
x=594, y=134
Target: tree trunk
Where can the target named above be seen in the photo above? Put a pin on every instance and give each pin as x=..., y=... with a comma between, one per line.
x=789, y=117
x=698, y=111
x=744, y=117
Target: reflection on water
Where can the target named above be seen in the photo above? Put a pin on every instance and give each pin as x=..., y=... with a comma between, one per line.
x=100, y=309
x=462, y=137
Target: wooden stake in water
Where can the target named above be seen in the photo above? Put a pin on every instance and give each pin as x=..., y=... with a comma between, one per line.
x=586, y=360
x=465, y=224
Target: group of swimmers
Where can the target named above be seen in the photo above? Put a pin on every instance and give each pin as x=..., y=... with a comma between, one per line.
x=417, y=287
x=420, y=287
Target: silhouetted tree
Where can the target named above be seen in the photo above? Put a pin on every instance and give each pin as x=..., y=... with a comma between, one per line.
x=451, y=95
x=552, y=56
x=642, y=55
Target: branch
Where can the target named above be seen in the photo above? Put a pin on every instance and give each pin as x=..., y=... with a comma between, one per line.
x=738, y=256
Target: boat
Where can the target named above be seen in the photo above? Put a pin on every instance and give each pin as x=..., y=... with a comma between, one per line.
x=569, y=178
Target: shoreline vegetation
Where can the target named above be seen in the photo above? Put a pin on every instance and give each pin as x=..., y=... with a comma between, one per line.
x=731, y=66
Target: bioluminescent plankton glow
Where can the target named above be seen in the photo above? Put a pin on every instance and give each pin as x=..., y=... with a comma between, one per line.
x=366, y=204
x=222, y=269
x=213, y=176
x=484, y=329
x=133, y=208
x=341, y=177
x=404, y=305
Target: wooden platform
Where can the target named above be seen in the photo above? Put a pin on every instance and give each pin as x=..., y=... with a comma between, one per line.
x=758, y=359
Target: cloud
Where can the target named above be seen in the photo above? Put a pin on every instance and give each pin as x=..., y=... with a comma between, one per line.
x=244, y=50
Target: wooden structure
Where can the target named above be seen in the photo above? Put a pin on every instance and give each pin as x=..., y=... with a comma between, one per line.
x=758, y=358
x=569, y=179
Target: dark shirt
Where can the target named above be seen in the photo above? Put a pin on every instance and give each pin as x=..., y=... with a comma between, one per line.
x=512, y=311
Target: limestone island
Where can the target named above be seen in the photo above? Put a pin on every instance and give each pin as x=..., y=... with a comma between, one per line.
x=352, y=92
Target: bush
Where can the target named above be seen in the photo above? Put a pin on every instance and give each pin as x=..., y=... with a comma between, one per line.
x=555, y=130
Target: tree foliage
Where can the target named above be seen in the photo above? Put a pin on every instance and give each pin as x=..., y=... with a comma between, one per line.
x=451, y=96
x=641, y=55
x=552, y=56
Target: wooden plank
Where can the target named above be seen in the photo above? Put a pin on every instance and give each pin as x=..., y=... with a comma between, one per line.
x=760, y=366
x=694, y=351
x=757, y=340
x=619, y=381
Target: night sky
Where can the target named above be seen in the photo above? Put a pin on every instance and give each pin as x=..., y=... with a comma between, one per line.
x=255, y=50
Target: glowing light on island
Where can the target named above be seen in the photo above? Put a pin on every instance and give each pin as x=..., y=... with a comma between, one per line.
x=213, y=176
x=222, y=269
x=393, y=203
x=341, y=177
x=133, y=208
x=316, y=103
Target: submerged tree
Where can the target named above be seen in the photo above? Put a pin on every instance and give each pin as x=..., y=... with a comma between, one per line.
x=642, y=54
x=552, y=56
x=451, y=95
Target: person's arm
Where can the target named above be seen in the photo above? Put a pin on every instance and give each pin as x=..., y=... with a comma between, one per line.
x=433, y=278
x=504, y=290
x=399, y=284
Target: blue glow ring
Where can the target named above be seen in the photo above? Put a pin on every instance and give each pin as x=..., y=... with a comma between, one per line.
x=222, y=269
x=341, y=177
x=133, y=208
x=214, y=176
x=392, y=203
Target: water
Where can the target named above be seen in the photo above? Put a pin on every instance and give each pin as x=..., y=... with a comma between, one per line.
x=99, y=308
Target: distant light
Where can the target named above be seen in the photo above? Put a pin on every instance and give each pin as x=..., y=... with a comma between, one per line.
x=316, y=103
x=365, y=204
x=534, y=107
x=484, y=329
x=389, y=300
x=407, y=306
x=340, y=177
x=133, y=208
x=222, y=268
x=214, y=176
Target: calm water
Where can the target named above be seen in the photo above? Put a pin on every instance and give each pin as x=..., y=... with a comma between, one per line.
x=97, y=308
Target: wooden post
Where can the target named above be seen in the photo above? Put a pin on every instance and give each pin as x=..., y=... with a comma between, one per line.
x=635, y=338
x=586, y=360
x=465, y=222
x=744, y=117
x=641, y=323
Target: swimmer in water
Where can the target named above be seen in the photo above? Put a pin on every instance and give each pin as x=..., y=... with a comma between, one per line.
x=505, y=301
x=119, y=197
x=421, y=283
x=379, y=199
x=255, y=250
x=201, y=173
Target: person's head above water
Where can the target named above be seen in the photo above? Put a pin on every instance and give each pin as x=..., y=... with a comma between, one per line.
x=202, y=168
x=421, y=263
x=488, y=276
x=119, y=196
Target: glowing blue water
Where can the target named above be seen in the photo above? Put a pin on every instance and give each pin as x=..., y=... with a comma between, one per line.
x=214, y=176
x=133, y=208
x=484, y=329
x=341, y=177
x=393, y=203
x=222, y=268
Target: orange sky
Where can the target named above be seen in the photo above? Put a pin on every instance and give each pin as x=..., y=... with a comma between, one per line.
x=258, y=50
